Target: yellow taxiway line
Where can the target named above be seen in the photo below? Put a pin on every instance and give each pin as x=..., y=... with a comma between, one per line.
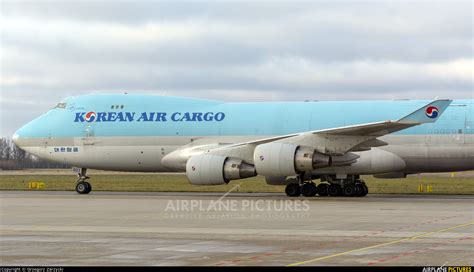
x=381, y=245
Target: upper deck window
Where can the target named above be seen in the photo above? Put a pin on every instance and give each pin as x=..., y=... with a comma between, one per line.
x=61, y=105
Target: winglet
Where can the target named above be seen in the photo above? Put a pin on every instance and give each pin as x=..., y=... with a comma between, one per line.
x=427, y=114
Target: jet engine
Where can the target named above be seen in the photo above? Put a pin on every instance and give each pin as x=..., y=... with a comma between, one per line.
x=209, y=169
x=279, y=159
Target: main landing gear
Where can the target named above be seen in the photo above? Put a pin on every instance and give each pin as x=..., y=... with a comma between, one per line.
x=82, y=186
x=298, y=186
x=329, y=186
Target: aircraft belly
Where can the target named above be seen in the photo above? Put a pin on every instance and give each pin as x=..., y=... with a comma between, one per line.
x=121, y=158
x=125, y=154
x=439, y=154
x=413, y=154
x=407, y=153
x=440, y=158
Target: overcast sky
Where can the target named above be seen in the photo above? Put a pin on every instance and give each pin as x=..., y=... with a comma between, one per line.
x=247, y=51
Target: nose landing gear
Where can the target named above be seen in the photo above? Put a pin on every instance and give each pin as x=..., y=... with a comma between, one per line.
x=82, y=186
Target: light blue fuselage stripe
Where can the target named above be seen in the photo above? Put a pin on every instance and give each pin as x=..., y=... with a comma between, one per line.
x=234, y=119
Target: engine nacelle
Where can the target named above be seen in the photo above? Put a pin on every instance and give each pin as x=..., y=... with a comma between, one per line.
x=215, y=170
x=279, y=159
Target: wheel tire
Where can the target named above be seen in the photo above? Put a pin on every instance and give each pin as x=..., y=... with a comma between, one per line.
x=81, y=187
x=366, y=189
x=322, y=189
x=293, y=190
x=308, y=189
x=89, y=187
x=349, y=190
x=360, y=189
x=334, y=190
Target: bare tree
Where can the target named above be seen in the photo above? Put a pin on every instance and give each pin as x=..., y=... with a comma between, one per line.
x=13, y=157
x=5, y=149
x=18, y=154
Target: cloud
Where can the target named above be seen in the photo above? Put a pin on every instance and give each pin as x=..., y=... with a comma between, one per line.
x=232, y=51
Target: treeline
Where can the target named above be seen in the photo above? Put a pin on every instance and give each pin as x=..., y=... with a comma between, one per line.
x=13, y=158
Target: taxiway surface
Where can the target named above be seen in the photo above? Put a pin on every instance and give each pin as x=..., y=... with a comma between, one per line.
x=64, y=228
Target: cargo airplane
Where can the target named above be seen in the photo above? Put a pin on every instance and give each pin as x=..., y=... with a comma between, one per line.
x=314, y=147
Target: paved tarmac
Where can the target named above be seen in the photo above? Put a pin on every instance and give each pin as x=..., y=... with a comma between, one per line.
x=64, y=228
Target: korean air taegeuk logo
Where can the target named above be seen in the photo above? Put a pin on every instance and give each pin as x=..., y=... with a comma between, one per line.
x=90, y=116
x=432, y=112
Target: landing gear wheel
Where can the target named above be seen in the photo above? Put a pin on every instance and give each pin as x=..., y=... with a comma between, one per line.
x=360, y=189
x=334, y=190
x=89, y=187
x=293, y=190
x=349, y=190
x=323, y=189
x=308, y=189
x=365, y=189
x=83, y=187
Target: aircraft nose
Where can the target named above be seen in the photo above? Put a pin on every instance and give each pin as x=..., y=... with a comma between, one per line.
x=29, y=133
x=17, y=138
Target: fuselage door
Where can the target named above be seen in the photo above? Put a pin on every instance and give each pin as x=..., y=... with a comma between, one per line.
x=89, y=136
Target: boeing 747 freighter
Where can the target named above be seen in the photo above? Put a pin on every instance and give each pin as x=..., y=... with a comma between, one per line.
x=314, y=148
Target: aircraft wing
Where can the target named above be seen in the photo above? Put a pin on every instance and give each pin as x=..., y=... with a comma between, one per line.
x=425, y=114
x=333, y=141
x=342, y=139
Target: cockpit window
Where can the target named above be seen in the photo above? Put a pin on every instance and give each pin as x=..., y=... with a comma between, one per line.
x=61, y=106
